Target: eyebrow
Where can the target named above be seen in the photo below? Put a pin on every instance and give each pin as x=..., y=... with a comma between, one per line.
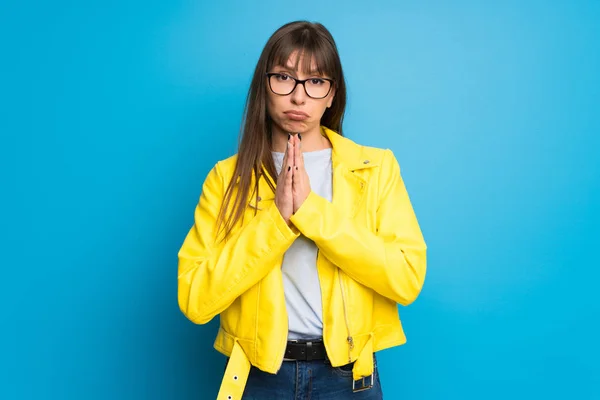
x=290, y=69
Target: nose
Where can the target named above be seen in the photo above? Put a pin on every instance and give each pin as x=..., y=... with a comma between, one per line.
x=299, y=94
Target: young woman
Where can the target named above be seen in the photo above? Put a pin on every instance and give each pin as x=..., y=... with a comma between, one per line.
x=304, y=242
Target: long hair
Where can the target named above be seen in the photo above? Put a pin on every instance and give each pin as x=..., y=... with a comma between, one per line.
x=314, y=42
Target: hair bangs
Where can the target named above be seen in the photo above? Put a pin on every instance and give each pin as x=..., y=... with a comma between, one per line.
x=310, y=49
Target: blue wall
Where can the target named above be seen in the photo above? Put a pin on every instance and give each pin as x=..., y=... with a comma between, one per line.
x=112, y=113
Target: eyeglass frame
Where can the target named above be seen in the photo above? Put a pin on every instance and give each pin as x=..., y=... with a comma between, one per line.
x=301, y=82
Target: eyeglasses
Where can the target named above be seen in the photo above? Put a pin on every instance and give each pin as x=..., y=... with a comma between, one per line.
x=282, y=84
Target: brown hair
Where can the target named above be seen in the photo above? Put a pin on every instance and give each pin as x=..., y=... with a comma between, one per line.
x=314, y=42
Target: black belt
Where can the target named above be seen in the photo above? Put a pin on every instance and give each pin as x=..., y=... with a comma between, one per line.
x=305, y=350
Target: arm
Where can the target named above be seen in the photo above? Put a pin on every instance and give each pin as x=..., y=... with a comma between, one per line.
x=391, y=261
x=212, y=275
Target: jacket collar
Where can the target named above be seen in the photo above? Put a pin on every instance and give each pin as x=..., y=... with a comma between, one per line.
x=349, y=188
x=345, y=152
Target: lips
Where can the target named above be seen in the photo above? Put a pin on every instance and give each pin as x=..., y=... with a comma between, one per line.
x=296, y=115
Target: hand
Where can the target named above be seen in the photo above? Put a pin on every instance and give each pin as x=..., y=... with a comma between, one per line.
x=283, y=192
x=300, y=181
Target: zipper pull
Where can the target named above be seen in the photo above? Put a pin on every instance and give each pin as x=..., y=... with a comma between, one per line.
x=351, y=342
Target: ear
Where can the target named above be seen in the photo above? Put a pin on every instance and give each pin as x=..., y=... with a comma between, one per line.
x=331, y=97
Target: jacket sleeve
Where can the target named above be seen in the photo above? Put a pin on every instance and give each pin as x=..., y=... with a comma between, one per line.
x=391, y=261
x=212, y=275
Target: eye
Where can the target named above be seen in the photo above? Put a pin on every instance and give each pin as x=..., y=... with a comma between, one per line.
x=282, y=77
x=317, y=81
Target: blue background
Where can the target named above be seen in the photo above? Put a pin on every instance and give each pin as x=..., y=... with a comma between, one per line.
x=112, y=113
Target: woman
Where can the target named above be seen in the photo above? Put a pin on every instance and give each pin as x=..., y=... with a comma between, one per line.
x=304, y=242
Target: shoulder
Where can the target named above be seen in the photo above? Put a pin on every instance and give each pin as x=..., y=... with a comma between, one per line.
x=373, y=156
x=221, y=172
x=227, y=165
x=381, y=156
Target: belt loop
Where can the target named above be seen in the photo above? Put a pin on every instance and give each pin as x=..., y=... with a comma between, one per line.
x=363, y=367
x=309, y=351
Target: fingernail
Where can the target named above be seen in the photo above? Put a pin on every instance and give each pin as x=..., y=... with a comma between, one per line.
x=299, y=136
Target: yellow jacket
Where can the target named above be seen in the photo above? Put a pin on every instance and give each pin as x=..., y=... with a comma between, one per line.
x=371, y=256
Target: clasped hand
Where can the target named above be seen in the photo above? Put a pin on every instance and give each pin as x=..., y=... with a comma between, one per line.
x=293, y=185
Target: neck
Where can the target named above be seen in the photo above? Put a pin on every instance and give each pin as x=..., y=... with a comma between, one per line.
x=312, y=140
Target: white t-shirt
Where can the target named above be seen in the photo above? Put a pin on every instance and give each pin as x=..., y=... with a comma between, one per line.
x=300, y=279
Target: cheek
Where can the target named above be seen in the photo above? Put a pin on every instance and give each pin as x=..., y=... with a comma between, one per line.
x=274, y=102
x=271, y=106
x=322, y=107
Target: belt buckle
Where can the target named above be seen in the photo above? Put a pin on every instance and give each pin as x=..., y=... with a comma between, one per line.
x=360, y=389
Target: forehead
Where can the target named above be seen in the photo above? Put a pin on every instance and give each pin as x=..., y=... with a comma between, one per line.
x=300, y=62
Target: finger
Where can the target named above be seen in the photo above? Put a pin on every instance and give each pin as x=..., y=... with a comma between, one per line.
x=296, y=180
x=296, y=151
x=285, y=152
x=286, y=157
x=294, y=168
x=300, y=155
x=296, y=177
x=290, y=152
x=288, y=179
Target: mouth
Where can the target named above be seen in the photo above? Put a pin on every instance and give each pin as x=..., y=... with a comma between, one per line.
x=296, y=115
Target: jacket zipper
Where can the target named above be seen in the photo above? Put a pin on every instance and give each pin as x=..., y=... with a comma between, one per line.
x=349, y=339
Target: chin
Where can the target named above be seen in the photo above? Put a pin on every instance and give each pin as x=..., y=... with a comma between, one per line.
x=294, y=126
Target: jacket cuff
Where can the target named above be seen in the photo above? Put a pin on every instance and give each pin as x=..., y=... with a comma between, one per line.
x=286, y=232
x=309, y=215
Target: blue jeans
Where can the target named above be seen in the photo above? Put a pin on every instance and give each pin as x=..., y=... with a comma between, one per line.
x=317, y=379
